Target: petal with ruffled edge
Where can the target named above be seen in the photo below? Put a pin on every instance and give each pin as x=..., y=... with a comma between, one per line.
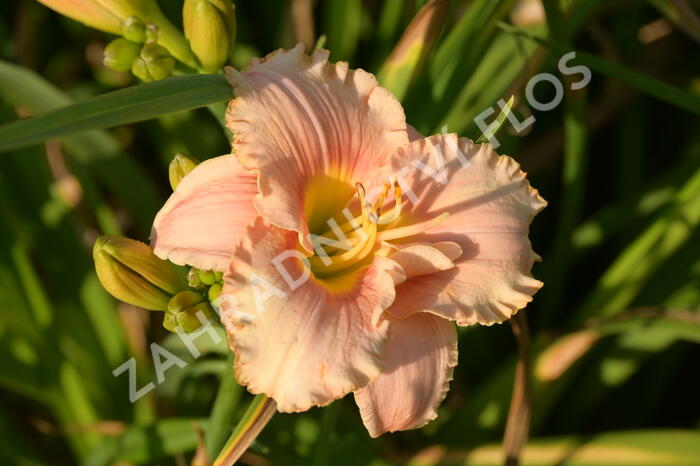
x=490, y=206
x=300, y=341
x=425, y=258
x=206, y=216
x=419, y=356
x=312, y=129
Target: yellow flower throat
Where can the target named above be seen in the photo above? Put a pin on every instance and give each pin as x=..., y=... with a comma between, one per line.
x=352, y=244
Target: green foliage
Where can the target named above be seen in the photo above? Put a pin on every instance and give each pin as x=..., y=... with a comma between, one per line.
x=615, y=330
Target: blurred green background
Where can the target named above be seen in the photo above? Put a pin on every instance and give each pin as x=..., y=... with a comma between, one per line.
x=615, y=330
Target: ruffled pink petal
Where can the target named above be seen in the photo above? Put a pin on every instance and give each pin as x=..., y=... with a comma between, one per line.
x=206, y=215
x=490, y=206
x=302, y=343
x=301, y=120
x=419, y=359
x=425, y=258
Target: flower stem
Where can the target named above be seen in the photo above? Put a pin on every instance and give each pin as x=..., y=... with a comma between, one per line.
x=254, y=420
x=222, y=413
x=518, y=423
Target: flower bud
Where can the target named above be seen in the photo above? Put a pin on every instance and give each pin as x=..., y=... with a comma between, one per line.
x=214, y=292
x=180, y=166
x=89, y=12
x=134, y=30
x=207, y=277
x=120, y=54
x=130, y=271
x=184, y=300
x=152, y=33
x=153, y=64
x=210, y=27
x=170, y=322
x=109, y=16
x=193, y=279
x=184, y=307
x=189, y=320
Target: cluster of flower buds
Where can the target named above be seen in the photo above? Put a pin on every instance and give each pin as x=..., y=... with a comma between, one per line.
x=139, y=52
x=150, y=43
x=131, y=272
x=207, y=281
x=114, y=17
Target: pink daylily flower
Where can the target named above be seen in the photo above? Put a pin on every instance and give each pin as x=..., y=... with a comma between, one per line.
x=351, y=245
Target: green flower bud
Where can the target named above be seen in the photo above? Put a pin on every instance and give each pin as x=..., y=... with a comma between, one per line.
x=153, y=64
x=110, y=15
x=140, y=258
x=193, y=279
x=134, y=30
x=210, y=27
x=207, y=277
x=152, y=33
x=130, y=271
x=189, y=321
x=120, y=54
x=184, y=300
x=170, y=322
x=214, y=292
x=185, y=307
x=180, y=166
x=140, y=70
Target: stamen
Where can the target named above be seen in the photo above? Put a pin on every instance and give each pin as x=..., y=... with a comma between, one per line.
x=389, y=219
x=364, y=205
x=348, y=258
x=411, y=230
x=367, y=210
x=363, y=233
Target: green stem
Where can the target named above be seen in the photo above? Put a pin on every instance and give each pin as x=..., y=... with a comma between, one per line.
x=324, y=442
x=254, y=420
x=518, y=423
x=227, y=399
x=169, y=36
x=218, y=109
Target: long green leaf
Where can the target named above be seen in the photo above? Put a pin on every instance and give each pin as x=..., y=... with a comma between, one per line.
x=643, y=82
x=631, y=270
x=130, y=105
x=94, y=152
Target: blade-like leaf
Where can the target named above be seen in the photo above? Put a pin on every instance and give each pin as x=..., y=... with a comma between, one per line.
x=643, y=82
x=130, y=105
